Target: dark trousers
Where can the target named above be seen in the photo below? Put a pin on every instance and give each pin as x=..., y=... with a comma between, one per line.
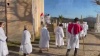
x=75, y=52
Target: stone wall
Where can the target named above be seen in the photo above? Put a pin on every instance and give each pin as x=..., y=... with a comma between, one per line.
x=97, y=24
x=38, y=9
x=19, y=13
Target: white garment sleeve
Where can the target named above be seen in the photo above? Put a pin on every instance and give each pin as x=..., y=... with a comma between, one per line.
x=24, y=38
x=27, y=37
x=87, y=27
x=48, y=35
x=2, y=37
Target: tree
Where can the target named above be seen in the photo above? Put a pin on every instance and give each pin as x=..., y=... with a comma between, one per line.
x=97, y=2
x=61, y=18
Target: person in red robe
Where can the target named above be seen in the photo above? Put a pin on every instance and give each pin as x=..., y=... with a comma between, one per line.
x=74, y=30
x=42, y=18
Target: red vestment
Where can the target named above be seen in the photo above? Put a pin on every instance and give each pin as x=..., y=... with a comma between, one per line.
x=76, y=28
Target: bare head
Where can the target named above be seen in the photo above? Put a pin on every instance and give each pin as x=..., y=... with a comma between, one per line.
x=1, y=24
x=61, y=25
x=25, y=28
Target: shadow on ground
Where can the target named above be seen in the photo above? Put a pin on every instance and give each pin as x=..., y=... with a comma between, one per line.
x=13, y=54
x=47, y=54
x=99, y=55
x=13, y=48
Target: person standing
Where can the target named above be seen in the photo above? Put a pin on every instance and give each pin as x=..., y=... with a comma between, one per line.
x=67, y=33
x=85, y=28
x=65, y=25
x=44, y=39
x=82, y=33
x=26, y=46
x=73, y=41
x=3, y=44
x=47, y=19
x=42, y=18
x=59, y=35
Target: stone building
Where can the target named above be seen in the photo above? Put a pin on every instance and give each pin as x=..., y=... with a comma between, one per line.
x=20, y=13
x=97, y=24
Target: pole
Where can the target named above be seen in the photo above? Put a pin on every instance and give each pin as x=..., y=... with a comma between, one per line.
x=83, y=39
x=6, y=18
x=33, y=21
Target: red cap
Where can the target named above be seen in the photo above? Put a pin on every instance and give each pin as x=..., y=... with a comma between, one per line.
x=41, y=14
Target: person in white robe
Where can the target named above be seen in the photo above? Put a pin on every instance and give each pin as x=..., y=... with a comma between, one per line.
x=67, y=33
x=82, y=33
x=26, y=46
x=3, y=44
x=63, y=25
x=67, y=29
x=73, y=40
x=42, y=18
x=86, y=28
x=47, y=19
x=44, y=39
x=59, y=35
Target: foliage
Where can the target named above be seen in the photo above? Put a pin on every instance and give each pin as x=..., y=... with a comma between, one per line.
x=61, y=18
x=97, y=2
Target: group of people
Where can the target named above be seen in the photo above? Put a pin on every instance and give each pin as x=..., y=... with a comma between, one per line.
x=25, y=47
x=45, y=18
x=74, y=31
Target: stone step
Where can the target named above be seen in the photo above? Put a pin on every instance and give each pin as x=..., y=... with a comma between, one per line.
x=50, y=27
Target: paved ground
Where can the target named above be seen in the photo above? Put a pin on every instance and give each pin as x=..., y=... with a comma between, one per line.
x=92, y=48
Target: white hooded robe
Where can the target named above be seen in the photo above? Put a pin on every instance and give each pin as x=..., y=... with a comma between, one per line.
x=3, y=44
x=85, y=28
x=48, y=20
x=44, y=38
x=59, y=35
x=26, y=46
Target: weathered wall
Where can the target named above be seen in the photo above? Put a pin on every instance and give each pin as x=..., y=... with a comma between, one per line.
x=19, y=13
x=38, y=9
